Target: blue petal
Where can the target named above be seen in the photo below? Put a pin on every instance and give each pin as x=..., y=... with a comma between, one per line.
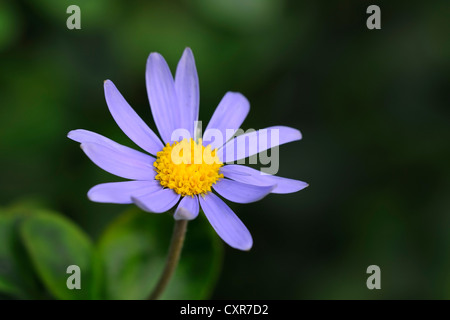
x=251, y=143
x=114, y=157
x=227, y=225
x=187, y=209
x=251, y=176
x=241, y=192
x=121, y=192
x=129, y=121
x=229, y=114
x=187, y=91
x=158, y=201
x=162, y=96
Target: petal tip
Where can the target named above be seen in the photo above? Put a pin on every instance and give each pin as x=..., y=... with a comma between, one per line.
x=188, y=50
x=247, y=247
x=74, y=135
x=77, y=135
x=183, y=214
x=154, y=56
x=290, y=133
x=93, y=195
x=70, y=134
x=300, y=185
x=90, y=195
x=296, y=134
x=139, y=203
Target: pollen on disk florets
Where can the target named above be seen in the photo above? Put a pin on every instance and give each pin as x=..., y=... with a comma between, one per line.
x=187, y=167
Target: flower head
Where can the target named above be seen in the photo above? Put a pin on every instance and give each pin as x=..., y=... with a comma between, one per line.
x=186, y=169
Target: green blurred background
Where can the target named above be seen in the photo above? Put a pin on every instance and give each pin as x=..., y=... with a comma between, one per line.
x=373, y=107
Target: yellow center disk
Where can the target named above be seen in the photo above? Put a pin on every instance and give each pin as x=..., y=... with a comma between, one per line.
x=187, y=167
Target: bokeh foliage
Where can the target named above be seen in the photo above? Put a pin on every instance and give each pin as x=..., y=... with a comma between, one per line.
x=373, y=107
x=38, y=246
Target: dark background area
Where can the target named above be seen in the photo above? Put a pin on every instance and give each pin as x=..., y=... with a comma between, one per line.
x=373, y=107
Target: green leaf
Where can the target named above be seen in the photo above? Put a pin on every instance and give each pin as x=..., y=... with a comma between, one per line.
x=134, y=249
x=17, y=277
x=10, y=279
x=54, y=243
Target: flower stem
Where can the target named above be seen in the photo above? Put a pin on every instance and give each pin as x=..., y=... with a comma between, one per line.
x=176, y=244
